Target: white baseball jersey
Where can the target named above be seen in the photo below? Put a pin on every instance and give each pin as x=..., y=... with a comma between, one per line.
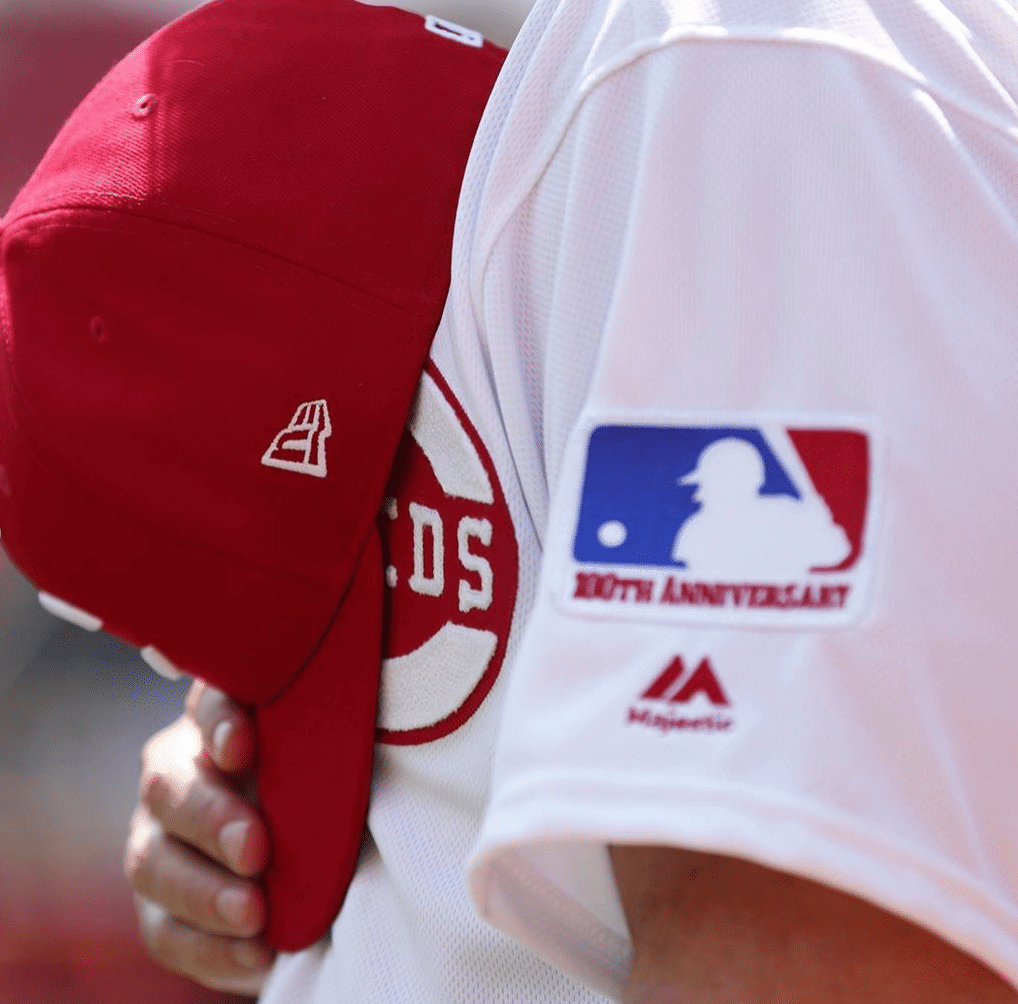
x=708, y=512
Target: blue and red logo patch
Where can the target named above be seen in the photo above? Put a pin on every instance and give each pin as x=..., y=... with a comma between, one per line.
x=751, y=522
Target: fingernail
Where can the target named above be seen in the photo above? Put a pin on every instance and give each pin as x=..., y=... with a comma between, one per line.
x=232, y=906
x=231, y=839
x=247, y=954
x=220, y=737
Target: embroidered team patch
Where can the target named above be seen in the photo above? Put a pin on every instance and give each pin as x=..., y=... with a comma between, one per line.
x=451, y=573
x=751, y=522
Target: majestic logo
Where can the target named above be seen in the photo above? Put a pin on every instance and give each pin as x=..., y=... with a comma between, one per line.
x=724, y=523
x=684, y=702
x=300, y=446
x=451, y=573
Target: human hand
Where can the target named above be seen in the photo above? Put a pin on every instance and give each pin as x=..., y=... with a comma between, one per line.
x=196, y=846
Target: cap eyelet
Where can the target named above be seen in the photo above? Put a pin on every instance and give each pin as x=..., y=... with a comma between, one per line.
x=99, y=331
x=144, y=106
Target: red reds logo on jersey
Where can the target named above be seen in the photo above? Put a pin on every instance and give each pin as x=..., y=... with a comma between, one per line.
x=451, y=574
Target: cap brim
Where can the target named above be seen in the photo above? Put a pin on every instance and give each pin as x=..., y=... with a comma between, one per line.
x=314, y=771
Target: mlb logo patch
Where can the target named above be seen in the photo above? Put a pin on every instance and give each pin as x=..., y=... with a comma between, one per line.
x=752, y=522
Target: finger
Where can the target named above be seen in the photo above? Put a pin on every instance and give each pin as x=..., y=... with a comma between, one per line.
x=226, y=727
x=196, y=804
x=200, y=809
x=189, y=886
x=233, y=965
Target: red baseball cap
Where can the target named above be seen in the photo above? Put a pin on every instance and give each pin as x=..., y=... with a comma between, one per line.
x=217, y=293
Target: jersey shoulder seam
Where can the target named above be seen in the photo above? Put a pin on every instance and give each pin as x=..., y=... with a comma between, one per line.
x=1007, y=126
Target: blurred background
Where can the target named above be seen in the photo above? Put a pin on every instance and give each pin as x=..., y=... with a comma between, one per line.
x=75, y=708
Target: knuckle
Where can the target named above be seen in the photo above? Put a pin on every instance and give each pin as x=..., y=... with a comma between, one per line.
x=154, y=748
x=192, y=811
x=169, y=756
x=131, y=863
x=186, y=888
x=154, y=792
x=190, y=887
x=202, y=815
x=246, y=986
x=199, y=900
x=138, y=851
x=148, y=756
x=213, y=707
x=156, y=939
x=210, y=957
x=207, y=708
x=149, y=746
x=158, y=935
x=206, y=801
x=194, y=695
x=173, y=880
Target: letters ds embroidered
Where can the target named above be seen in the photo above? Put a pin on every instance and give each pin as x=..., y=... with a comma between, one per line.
x=300, y=446
x=451, y=567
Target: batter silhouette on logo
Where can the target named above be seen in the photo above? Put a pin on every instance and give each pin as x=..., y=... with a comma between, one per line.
x=739, y=533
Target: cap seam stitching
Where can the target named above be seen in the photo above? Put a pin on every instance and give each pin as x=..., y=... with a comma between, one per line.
x=410, y=311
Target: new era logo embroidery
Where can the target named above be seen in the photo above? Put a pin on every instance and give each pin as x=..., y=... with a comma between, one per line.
x=673, y=692
x=456, y=32
x=300, y=446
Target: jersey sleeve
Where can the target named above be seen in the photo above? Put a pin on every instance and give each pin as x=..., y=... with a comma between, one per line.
x=769, y=289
